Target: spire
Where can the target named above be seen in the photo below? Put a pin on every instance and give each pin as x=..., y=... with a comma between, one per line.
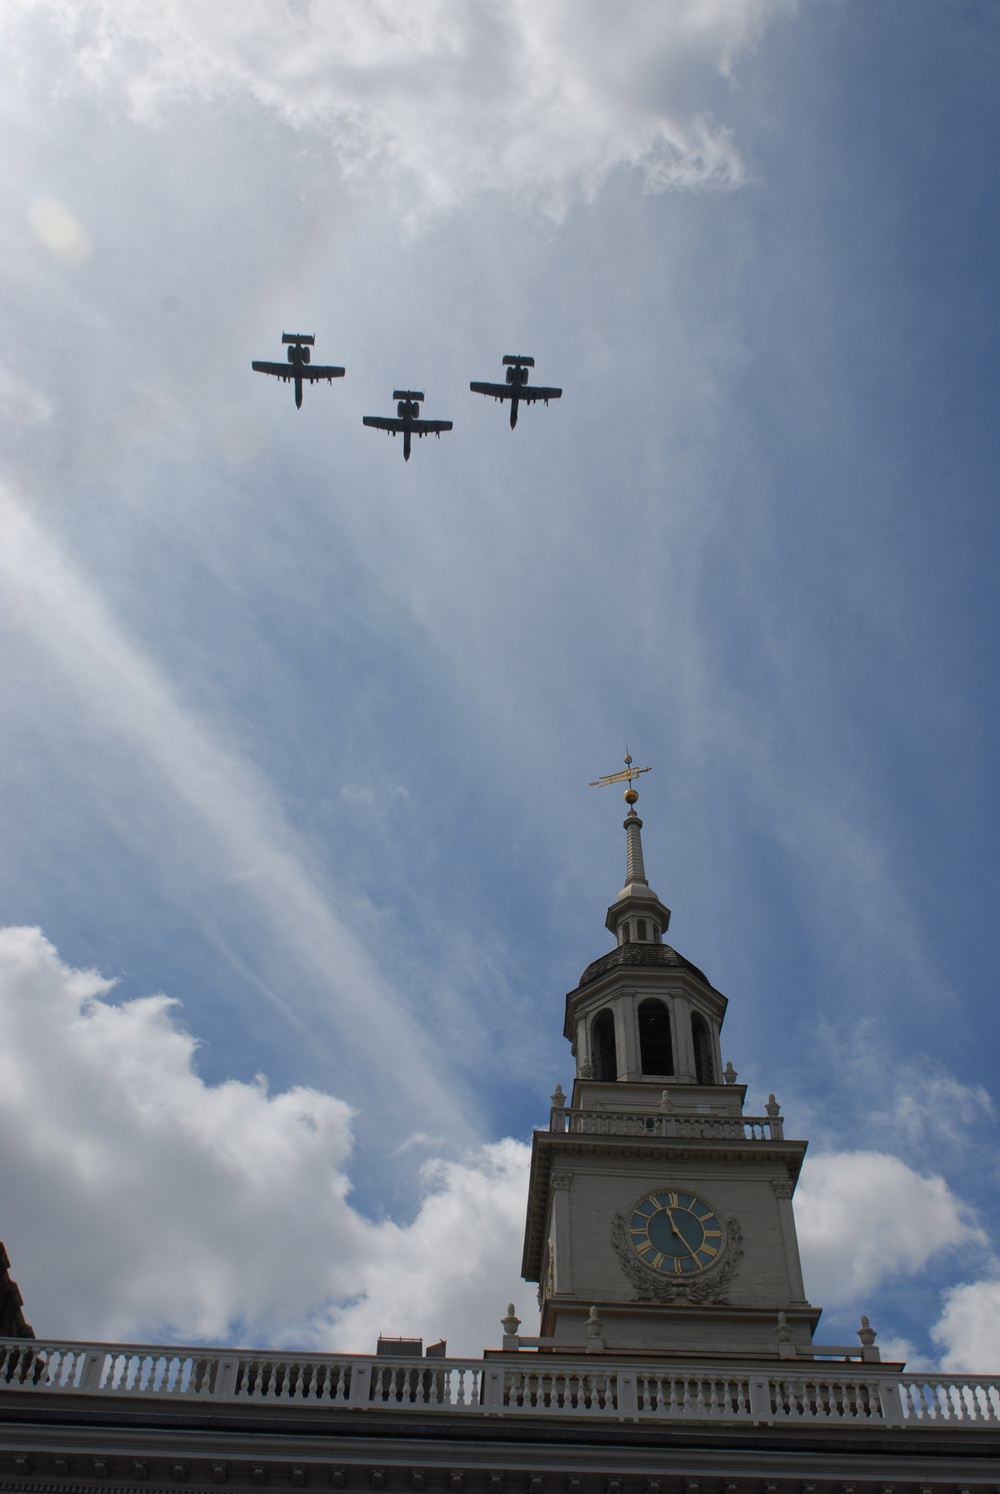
x=635, y=870
x=638, y=913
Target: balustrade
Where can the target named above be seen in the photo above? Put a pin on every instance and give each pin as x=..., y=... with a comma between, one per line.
x=963, y=1399
x=666, y=1123
x=809, y=1398
x=518, y=1384
x=680, y=1396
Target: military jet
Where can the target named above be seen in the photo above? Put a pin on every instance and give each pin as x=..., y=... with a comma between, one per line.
x=517, y=387
x=298, y=366
x=405, y=419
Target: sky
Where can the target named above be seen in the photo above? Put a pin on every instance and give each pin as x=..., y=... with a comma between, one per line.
x=300, y=856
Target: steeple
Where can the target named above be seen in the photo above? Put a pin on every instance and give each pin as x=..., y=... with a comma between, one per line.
x=637, y=915
x=656, y=1207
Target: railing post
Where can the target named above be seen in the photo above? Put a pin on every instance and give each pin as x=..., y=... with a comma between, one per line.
x=361, y=1384
x=93, y=1366
x=628, y=1399
x=892, y=1406
x=760, y=1400
x=493, y=1392
x=225, y=1377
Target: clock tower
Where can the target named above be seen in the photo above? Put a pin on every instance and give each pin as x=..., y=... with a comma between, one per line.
x=659, y=1213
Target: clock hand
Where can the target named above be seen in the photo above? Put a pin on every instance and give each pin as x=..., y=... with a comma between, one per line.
x=670, y=1216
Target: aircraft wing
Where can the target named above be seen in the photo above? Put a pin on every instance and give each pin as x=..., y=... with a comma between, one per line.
x=280, y=370
x=430, y=427
x=529, y=392
x=498, y=391
x=318, y=371
x=382, y=422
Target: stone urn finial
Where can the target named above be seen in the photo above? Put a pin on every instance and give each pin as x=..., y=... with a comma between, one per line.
x=595, y=1333
x=511, y=1323
x=772, y=1107
x=783, y=1333
x=557, y=1097
x=866, y=1332
x=729, y=1073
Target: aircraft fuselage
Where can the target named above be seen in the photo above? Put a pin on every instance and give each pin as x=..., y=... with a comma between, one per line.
x=297, y=356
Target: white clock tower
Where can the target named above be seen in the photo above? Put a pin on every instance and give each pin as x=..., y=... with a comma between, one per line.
x=653, y=1198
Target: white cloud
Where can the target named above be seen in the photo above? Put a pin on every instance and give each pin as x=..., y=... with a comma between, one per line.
x=865, y=1217
x=924, y=1104
x=968, y=1330
x=58, y=228
x=939, y=1106
x=508, y=94
x=451, y=1273
x=141, y=1202
x=19, y=403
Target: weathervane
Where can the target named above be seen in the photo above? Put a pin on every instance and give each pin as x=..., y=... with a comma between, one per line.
x=627, y=772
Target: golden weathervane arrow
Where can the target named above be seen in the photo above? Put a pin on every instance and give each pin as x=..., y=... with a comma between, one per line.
x=627, y=772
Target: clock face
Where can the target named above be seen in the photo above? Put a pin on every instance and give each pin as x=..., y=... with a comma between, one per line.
x=674, y=1232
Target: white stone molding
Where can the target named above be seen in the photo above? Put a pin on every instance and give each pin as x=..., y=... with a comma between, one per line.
x=716, y=1037
x=783, y=1190
x=561, y=1237
x=684, y=1069
x=628, y=1053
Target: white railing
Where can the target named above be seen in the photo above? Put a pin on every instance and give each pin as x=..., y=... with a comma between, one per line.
x=974, y=1399
x=666, y=1123
x=202, y=1374
x=517, y=1385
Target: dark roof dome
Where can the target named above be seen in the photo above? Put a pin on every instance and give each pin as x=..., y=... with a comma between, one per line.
x=642, y=954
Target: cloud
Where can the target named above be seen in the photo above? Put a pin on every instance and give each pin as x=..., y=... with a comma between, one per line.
x=19, y=403
x=456, y=1265
x=141, y=1202
x=540, y=99
x=865, y=1217
x=61, y=232
x=937, y=1106
x=911, y=1103
x=968, y=1330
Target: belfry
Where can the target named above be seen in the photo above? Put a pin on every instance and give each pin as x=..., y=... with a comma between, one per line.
x=653, y=1198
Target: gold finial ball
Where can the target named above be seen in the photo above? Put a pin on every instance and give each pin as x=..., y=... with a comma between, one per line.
x=630, y=796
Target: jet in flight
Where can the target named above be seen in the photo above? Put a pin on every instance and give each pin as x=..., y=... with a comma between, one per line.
x=405, y=419
x=517, y=387
x=298, y=366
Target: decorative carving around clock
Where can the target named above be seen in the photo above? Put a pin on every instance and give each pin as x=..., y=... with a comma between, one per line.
x=674, y=1247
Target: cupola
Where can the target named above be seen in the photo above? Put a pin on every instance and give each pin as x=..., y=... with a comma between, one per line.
x=642, y=1013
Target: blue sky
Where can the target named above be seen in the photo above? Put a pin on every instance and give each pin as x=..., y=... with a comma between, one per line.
x=299, y=736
